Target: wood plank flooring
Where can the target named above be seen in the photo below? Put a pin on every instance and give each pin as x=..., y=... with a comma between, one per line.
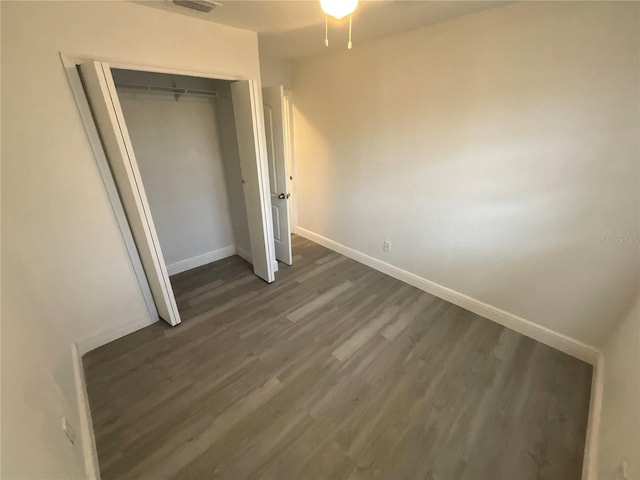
x=335, y=371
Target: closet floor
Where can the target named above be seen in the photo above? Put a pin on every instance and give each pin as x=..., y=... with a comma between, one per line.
x=335, y=371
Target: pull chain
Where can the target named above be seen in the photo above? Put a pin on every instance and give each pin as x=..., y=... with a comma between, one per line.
x=326, y=30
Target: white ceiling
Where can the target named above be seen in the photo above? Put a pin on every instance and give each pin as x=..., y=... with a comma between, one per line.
x=295, y=28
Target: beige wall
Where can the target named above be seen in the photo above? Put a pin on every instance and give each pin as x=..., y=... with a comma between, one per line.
x=179, y=152
x=498, y=152
x=275, y=72
x=66, y=275
x=620, y=423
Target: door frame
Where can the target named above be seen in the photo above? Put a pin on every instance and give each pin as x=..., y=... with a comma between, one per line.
x=70, y=63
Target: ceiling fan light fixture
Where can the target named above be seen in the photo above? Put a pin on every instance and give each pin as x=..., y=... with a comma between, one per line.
x=338, y=8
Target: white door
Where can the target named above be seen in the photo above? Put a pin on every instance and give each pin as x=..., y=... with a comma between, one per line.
x=288, y=150
x=107, y=113
x=273, y=99
x=248, y=135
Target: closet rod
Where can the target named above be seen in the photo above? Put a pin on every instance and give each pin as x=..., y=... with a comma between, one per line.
x=178, y=92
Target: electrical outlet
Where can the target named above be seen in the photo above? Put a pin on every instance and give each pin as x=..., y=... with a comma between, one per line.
x=386, y=246
x=68, y=431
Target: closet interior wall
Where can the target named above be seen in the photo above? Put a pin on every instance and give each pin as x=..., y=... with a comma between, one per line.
x=187, y=152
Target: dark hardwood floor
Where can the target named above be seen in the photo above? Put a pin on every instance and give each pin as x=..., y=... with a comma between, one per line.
x=335, y=371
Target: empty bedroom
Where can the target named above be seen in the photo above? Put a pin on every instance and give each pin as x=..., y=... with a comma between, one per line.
x=320, y=239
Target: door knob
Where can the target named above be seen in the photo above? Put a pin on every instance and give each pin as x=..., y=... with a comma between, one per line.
x=281, y=196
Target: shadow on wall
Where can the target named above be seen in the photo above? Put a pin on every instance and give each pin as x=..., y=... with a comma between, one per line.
x=34, y=386
x=479, y=228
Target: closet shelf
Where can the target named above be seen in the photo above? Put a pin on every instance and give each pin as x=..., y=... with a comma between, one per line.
x=178, y=92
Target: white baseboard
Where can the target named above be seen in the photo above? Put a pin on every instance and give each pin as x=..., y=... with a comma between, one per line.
x=530, y=329
x=591, y=446
x=542, y=334
x=199, y=260
x=246, y=254
x=87, y=438
x=112, y=333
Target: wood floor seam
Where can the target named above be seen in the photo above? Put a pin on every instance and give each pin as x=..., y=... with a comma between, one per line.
x=333, y=372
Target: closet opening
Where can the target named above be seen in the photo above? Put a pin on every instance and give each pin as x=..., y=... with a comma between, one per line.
x=193, y=173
